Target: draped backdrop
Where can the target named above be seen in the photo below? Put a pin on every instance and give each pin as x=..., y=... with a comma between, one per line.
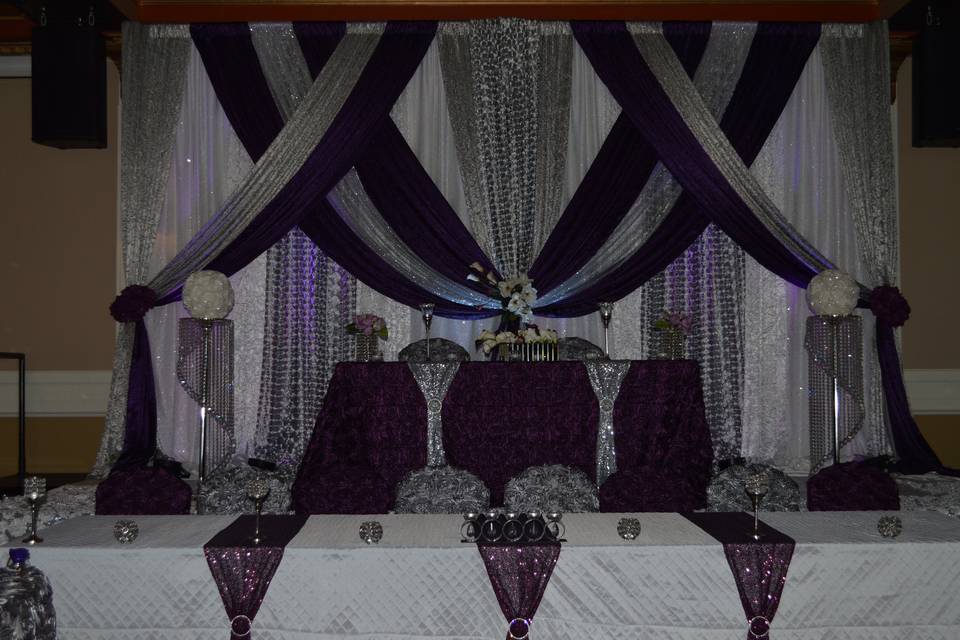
x=334, y=168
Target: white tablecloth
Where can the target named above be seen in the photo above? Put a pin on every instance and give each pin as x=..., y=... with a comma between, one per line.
x=845, y=581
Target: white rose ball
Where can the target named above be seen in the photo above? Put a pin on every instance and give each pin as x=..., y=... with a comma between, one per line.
x=208, y=295
x=833, y=293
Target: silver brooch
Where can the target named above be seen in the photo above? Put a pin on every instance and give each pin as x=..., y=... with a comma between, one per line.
x=628, y=528
x=889, y=526
x=125, y=531
x=371, y=532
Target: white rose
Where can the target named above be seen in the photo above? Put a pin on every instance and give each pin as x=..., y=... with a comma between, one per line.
x=506, y=337
x=488, y=345
x=529, y=294
x=530, y=335
x=486, y=334
x=516, y=304
x=505, y=288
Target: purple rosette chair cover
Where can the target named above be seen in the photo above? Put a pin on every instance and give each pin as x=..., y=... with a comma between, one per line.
x=549, y=488
x=441, y=490
x=519, y=575
x=726, y=490
x=852, y=486
x=143, y=491
x=342, y=488
x=651, y=489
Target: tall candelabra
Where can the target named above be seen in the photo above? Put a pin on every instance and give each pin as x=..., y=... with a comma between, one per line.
x=34, y=490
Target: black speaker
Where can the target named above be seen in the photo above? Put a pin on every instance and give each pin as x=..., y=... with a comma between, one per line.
x=936, y=78
x=69, y=87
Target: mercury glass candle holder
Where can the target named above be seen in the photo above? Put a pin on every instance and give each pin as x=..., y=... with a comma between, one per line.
x=34, y=490
x=426, y=312
x=257, y=490
x=756, y=485
x=606, y=314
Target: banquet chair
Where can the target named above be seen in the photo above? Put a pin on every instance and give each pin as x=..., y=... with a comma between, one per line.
x=441, y=490
x=726, y=490
x=551, y=488
x=441, y=350
x=578, y=349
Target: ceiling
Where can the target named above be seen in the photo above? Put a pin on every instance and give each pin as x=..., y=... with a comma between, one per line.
x=18, y=17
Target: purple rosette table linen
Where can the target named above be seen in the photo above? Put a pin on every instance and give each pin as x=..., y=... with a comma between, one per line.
x=243, y=571
x=852, y=486
x=519, y=574
x=499, y=419
x=142, y=491
x=759, y=567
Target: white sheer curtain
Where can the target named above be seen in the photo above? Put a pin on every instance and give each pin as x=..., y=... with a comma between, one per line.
x=799, y=168
x=208, y=162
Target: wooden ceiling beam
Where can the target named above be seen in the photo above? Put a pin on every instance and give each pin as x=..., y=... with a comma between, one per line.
x=179, y=11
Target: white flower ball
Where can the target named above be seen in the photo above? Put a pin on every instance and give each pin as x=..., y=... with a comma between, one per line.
x=208, y=295
x=833, y=293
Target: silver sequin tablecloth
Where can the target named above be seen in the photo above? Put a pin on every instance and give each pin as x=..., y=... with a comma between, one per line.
x=845, y=582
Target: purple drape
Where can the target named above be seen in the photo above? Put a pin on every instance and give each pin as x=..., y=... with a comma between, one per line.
x=140, y=442
x=396, y=57
x=612, y=183
x=243, y=571
x=519, y=574
x=759, y=567
x=776, y=58
x=912, y=449
x=412, y=204
x=618, y=62
x=228, y=57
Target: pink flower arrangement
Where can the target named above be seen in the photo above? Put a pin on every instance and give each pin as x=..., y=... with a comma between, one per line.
x=675, y=321
x=368, y=324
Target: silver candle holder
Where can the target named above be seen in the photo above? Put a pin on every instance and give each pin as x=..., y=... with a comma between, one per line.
x=426, y=312
x=606, y=314
x=34, y=491
x=756, y=485
x=257, y=490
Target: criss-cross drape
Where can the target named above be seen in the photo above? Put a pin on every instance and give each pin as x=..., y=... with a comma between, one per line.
x=340, y=169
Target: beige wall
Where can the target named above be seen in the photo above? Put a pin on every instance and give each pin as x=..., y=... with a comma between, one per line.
x=929, y=232
x=57, y=240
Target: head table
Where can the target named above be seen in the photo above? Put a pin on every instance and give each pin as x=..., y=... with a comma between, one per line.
x=420, y=581
x=382, y=420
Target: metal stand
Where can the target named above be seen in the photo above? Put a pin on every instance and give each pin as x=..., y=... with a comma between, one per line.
x=835, y=415
x=21, y=414
x=205, y=400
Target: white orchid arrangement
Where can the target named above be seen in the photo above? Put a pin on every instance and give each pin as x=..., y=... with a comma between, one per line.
x=489, y=340
x=516, y=295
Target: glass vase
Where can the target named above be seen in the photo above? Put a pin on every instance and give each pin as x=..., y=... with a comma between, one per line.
x=670, y=345
x=368, y=348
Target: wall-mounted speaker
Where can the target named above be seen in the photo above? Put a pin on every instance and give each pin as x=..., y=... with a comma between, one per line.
x=69, y=87
x=936, y=78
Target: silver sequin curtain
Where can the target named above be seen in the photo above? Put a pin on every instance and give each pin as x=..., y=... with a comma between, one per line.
x=508, y=87
x=155, y=61
x=309, y=298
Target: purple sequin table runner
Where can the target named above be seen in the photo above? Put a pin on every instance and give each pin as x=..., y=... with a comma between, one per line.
x=759, y=567
x=243, y=571
x=519, y=574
